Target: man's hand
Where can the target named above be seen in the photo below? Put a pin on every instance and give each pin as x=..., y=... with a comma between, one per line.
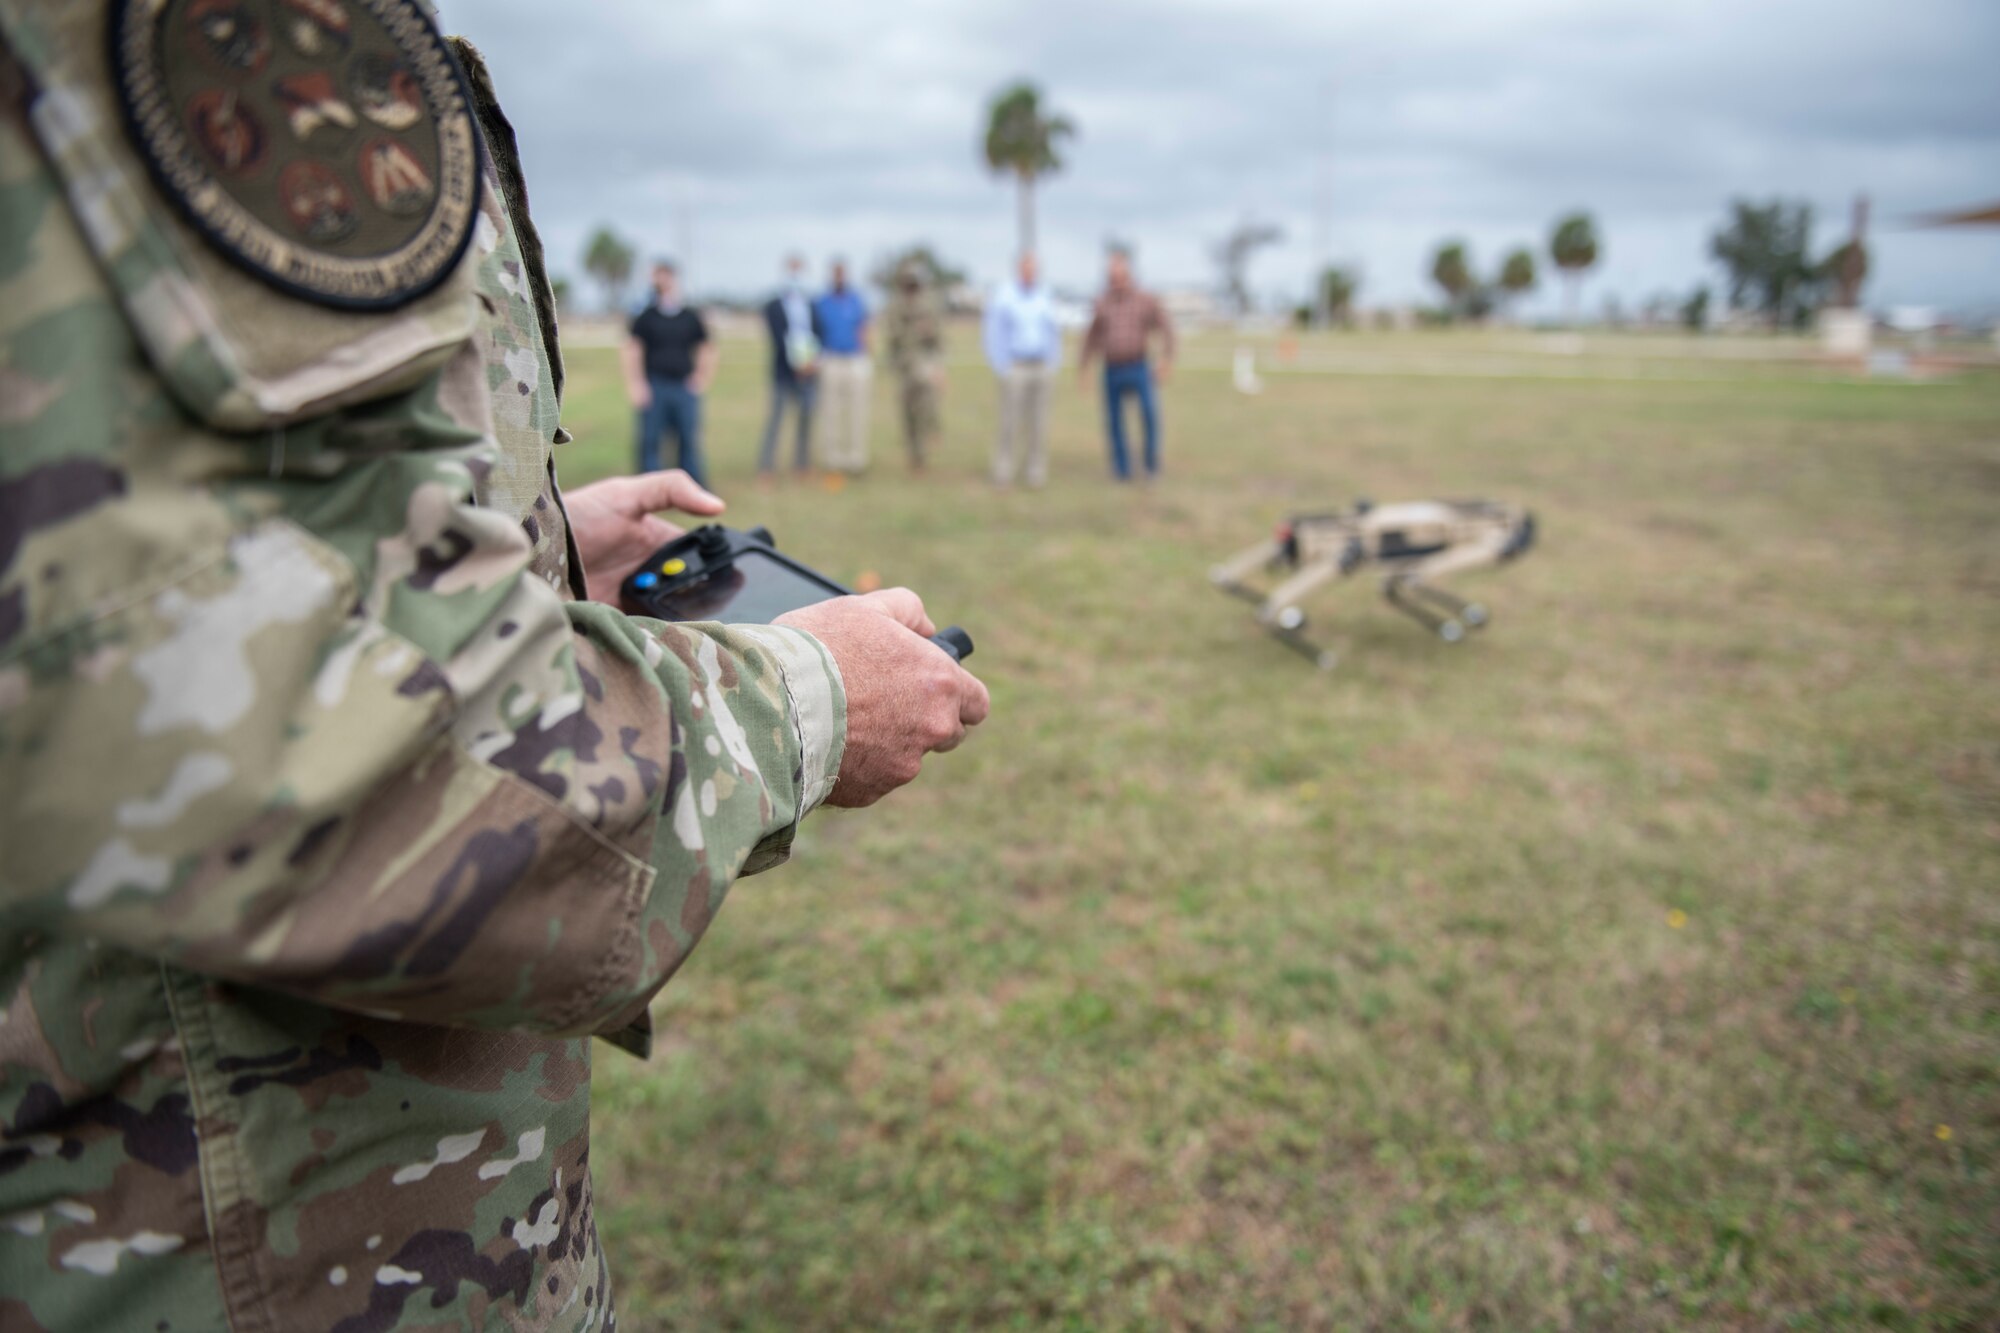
x=616, y=524
x=706, y=358
x=905, y=696
x=632, y=363
x=1164, y=372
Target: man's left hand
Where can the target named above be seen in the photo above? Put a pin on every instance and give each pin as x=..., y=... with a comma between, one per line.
x=1164, y=372
x=616, y=523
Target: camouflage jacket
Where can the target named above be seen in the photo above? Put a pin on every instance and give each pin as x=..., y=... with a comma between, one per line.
x=914, y=331
x=334, y=823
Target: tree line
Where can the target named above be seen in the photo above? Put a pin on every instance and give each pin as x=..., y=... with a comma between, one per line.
x=1765, y=249
x=1573, y=248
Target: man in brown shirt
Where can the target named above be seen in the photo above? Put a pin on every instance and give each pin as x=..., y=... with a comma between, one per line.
x=1121, y=330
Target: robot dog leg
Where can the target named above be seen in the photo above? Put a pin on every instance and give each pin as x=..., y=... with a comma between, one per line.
x=1417, y=600
x=1437, y=609
x=1446, y=614
x=1282, y=616
x=1231, y=574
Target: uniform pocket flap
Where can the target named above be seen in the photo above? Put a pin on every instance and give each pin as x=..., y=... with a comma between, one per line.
x=281, y=196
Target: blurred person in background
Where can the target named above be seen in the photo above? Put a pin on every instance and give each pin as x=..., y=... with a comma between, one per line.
x=1122, y=329
x=916, y=354
x=845, y=375
x=788, y=318
x=1024, y=346
x=669, y=360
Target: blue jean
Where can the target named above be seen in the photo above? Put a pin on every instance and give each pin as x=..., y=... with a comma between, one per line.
x=677, y=408
x=1134, y=378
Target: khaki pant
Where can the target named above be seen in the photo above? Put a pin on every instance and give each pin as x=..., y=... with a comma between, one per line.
x=918, y=387
x=840, y=422
x=1024, y=419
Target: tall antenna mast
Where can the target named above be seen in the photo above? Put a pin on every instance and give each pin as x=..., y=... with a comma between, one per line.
x=684, y=238
x=1322, y=201
x=1853, y=269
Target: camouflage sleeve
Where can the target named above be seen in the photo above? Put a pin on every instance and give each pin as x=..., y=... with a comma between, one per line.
x=934, y=328
x=297, y=710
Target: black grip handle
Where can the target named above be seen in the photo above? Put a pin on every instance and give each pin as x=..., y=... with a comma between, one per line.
x=954, y=641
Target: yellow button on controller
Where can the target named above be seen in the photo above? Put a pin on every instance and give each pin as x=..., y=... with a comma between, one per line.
x=673, y=567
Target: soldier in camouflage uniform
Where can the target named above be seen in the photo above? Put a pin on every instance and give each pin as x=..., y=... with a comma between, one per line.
x=336, y=819
x=916, y=353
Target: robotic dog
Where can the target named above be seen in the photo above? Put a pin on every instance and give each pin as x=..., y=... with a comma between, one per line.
x=1411, y=543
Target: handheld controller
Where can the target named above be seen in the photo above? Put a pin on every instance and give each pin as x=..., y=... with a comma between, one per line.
x=718, y=573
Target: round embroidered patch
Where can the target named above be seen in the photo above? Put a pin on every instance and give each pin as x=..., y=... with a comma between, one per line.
x=327, y=146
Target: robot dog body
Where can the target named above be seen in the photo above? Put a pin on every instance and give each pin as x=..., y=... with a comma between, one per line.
x=1412, y=544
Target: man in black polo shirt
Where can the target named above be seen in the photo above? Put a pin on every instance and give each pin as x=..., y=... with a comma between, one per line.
x=669, y=361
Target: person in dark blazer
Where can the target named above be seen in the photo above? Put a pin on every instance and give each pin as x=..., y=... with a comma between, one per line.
x=793, y=325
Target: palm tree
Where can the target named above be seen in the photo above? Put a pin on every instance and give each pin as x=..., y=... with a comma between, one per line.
x=1021, y=138
x=608, y=259
x=1517, y=273
x=1233, y=254
x=939, y=274
x=1573, y=247
x=1451, y=270
x=1337, y=289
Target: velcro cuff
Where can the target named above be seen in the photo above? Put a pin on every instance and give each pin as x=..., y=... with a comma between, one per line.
x=819, y=705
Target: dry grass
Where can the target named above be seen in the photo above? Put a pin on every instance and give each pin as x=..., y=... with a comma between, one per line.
x=1617, y=969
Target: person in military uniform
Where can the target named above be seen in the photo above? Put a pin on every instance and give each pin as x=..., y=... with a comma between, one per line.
x=341, y=806
x=916, y=353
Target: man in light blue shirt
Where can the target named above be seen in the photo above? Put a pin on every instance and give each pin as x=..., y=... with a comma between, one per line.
x=1024, y=347
x=845, y=375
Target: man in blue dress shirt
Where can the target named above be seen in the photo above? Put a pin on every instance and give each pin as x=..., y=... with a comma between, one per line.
x=1024, y=347
x=845, y=375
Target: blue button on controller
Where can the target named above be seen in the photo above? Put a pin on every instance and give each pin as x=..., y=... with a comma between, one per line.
x=645, y=580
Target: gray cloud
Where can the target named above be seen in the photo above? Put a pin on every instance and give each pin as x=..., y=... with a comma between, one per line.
x=745, y=128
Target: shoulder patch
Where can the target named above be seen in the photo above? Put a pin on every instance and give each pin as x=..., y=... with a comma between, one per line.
x=326, y=146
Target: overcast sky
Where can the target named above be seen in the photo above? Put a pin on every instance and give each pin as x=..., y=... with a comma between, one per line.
x=730, y=131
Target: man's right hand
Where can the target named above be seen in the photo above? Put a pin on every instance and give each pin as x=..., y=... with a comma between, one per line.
x=641, y=396
x=905, y=696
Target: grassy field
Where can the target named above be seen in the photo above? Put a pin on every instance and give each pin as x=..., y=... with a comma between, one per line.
x=1635, y=965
